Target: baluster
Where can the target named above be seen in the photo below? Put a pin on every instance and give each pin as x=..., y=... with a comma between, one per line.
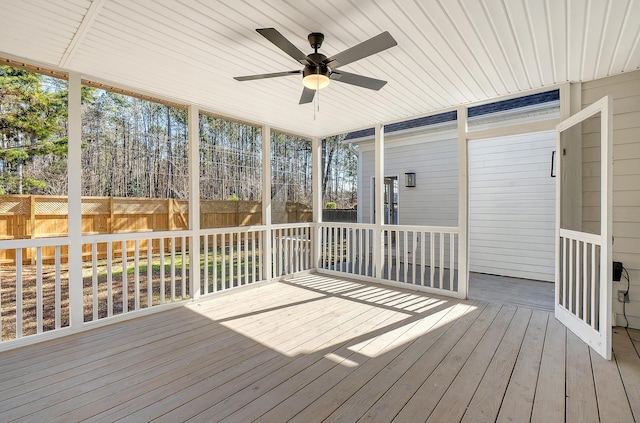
x=136, y=273
x=149, y=272
x=183, y=287
x=94, y=281
x=39, y=289
x=173, y=268
x=58, y=292
x=441, y=269
x=109, y=279
x=452, y=260
x=206, y=265
x=19, y=293
x=214, y=251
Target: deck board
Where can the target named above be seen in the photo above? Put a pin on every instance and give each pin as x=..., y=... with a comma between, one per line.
x=319, y=348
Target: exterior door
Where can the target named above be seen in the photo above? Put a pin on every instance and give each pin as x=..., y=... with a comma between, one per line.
x=584, y=225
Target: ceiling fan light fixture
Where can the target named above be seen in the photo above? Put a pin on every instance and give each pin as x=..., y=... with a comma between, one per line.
x=315, y=80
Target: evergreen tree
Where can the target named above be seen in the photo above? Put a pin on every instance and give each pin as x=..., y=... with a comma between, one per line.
x=32, y=110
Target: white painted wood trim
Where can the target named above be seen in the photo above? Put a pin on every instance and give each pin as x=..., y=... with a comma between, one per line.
x=600, y=340
x=78, y=37
x=266, y=201
x=606, y=219
x=74, y=175
x=194, y=201
x=525, y=128
x=580, y=236
x=599, y=106
x=316, y=179
x=463, y=204
x=378, y=252
x=237, y=229
x=360, y=182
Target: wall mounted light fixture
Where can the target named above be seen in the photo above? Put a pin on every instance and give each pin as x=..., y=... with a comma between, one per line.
x=410, y=180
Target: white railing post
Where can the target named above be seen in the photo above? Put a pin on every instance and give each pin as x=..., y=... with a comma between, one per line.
x=74, y=175
x=316, y=168
x=194, y=202
x=463, y=204
x=378, y=239
x=266, y=201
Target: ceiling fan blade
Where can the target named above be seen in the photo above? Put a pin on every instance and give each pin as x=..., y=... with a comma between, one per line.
x=307, y=95
x=283, y=44
x=359, y=80
x=266, y=75
x=366, y=48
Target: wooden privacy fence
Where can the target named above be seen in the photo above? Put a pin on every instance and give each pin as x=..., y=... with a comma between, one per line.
x=44, y=216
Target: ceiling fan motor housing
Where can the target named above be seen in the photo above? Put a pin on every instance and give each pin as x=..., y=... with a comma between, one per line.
x=319, y=68
x=316, y=39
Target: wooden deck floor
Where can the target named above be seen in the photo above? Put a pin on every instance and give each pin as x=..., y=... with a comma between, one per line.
x=514, y=291
x=325, y=349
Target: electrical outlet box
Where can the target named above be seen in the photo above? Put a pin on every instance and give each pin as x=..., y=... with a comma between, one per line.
x=617, y=271
x=623, y=296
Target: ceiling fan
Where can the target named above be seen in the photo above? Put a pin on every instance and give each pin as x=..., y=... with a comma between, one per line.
x=319, y=69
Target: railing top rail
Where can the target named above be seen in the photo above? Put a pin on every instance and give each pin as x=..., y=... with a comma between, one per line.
x=409, y=228
x=232, y=229
x=349, y=225
x=32, y=243
x=580, y=236
x=293, y=225
x=417, y=228
x=132, y=236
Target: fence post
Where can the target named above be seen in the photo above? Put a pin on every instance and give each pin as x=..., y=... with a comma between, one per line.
x=111, y=225
x=169, y=214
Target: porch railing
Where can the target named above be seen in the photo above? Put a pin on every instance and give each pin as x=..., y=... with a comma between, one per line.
x=231, y=257
x=34, y=298
x=421, y=256
x=291, y=248
x=579, y=276
x=130, y=272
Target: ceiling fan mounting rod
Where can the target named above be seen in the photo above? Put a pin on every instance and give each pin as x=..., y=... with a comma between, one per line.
x=316, y=39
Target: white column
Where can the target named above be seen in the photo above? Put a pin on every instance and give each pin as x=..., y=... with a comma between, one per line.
x=194, y=200
x=316, y=169
x=463, y=205
x=378, y=240
x=266, y=201
x=74, y=175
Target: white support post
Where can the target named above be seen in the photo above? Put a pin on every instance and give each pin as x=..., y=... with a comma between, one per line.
x=266, y=201
x=194, y=201
x=606, y=220
x=463, y=205
x=378, y=239
x=74, y=175
x=316, y=169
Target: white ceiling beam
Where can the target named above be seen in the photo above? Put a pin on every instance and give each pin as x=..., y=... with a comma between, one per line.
x=85, y=25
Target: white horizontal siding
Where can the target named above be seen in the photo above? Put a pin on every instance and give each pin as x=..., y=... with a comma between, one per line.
x=625, y=90
x=512, y=206
x=434, y=200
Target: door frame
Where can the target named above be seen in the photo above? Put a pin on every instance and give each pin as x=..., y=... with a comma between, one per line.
x=595, y=332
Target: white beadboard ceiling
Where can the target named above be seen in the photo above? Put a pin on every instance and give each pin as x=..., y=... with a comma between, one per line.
x=449, y=52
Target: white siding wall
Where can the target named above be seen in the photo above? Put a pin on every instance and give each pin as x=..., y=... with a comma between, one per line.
x=625, y=90
x=434, y=160
x=512, y=206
